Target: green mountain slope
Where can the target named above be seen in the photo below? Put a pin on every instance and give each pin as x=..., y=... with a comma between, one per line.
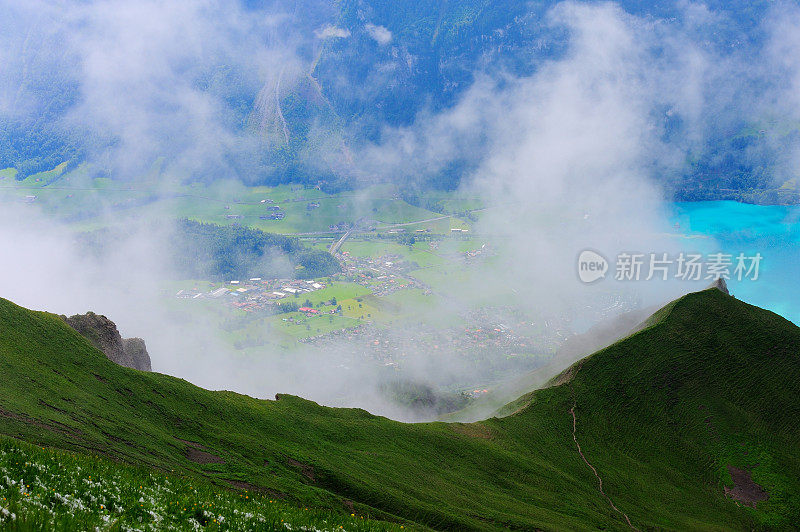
x=666, y=417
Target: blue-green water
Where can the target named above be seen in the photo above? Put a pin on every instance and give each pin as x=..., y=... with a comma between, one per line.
x=773, y=231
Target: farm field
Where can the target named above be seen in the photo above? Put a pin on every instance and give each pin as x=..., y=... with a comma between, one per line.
x=74, y=196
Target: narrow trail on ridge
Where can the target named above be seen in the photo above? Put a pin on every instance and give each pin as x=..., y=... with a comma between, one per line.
x=586, y=461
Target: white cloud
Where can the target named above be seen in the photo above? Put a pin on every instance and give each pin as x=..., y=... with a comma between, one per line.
x=157, y=78
x=582, y=135
x=380, y=34
x=332, y=32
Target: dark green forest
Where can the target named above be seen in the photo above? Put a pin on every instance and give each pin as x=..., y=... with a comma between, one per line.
x=209, y=251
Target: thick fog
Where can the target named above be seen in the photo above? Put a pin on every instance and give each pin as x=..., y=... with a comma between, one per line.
x=568, y=159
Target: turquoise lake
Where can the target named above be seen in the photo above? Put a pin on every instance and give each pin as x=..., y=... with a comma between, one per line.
x=733, y=228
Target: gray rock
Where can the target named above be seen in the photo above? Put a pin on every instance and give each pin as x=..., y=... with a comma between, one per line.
x=720, y=285
x=103, y=334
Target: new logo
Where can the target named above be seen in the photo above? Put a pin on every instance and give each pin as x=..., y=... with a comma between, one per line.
x=591, y=266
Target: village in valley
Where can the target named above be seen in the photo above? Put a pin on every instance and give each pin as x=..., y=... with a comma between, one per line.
x=386, y=305
x=409, y=278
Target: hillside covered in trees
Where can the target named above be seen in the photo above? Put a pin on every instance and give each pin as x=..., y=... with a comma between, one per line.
x=209, y=251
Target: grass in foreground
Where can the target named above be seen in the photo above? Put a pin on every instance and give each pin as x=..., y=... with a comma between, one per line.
x=47, y=489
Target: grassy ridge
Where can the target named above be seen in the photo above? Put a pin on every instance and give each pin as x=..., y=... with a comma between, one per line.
x=641, y=415
x=726, y=395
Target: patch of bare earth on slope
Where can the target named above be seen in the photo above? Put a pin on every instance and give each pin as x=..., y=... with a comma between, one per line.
x=306, y=470
x=246, y=486
x=199, y=455
x=52, y=426
x=744, y=490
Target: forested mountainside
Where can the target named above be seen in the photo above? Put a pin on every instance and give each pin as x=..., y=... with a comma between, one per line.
x=361, y=66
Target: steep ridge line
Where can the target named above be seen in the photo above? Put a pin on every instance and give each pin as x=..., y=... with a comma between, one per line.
x=586, y=461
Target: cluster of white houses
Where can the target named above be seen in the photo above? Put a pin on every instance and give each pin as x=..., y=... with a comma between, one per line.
x=255, y=289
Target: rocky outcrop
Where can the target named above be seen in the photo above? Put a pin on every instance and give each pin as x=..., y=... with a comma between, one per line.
x=720, y=285
x=103, y=334
x=136, y=351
